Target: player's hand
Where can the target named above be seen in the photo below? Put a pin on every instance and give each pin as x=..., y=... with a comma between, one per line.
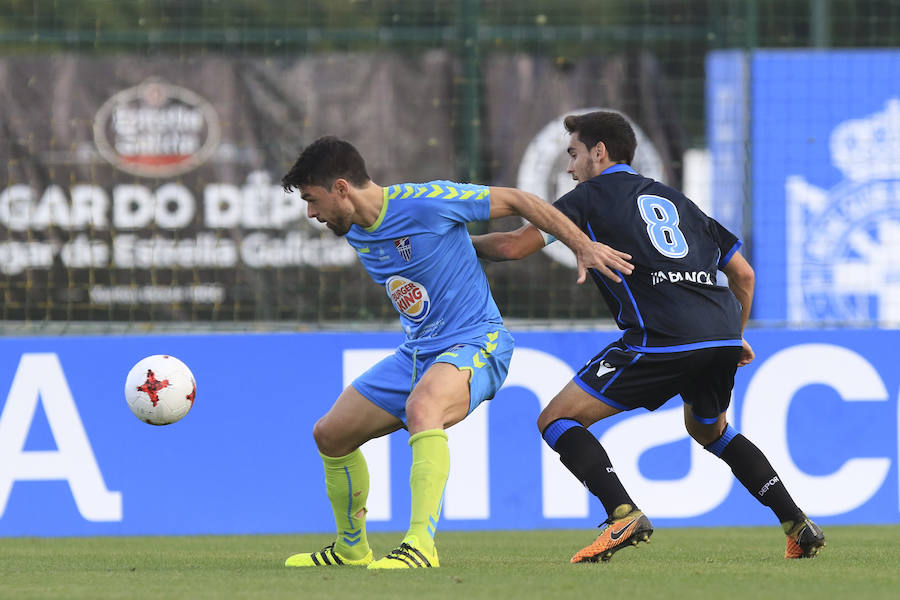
x=605, y=260
x=747, y=354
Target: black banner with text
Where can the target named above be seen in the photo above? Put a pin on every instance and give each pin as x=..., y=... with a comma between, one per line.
x=147, y=189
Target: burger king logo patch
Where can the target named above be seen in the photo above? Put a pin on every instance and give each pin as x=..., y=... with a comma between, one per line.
x=409, y=298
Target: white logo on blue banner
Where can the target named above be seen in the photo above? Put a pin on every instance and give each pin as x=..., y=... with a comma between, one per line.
x=73, y=461
x=39, y=378
x=843, y=263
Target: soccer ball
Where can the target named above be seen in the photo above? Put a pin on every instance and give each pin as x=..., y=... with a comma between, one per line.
x=160, y=389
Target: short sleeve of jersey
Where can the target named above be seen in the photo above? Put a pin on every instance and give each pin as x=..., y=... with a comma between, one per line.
x=728, y=242
x=574, y=206
x=442, y=201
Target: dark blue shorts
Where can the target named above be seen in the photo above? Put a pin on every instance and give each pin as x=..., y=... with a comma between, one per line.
x=627, y=379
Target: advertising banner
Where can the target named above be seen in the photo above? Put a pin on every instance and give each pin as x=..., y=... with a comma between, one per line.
x=726, y=134
x=825, y=160
x=141, y=188
x=144, y=188
x=823, y=406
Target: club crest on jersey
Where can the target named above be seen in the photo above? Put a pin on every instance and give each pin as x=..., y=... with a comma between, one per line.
x=409, y=298
x=404, y=247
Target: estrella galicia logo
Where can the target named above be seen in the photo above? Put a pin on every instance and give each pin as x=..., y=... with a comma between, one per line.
x=843, y=264
x=404, y=247
x=156, y=129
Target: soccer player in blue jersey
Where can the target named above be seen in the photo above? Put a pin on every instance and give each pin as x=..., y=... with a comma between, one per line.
x=412, y=239
x=683, y=333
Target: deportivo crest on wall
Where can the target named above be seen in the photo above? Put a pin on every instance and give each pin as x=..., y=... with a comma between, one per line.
x=156, y=129
x=844, y=243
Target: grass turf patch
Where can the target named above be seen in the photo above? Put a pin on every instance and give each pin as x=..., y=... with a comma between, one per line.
x=723, y=562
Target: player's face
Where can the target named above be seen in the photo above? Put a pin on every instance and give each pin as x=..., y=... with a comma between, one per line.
x=328, y=206
x=582, y=165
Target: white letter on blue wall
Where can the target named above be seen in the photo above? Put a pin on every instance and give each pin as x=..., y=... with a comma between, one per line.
x=765, y=413
x=40, y=377
x=705, y=486
x=545, y=375
x=377, y=451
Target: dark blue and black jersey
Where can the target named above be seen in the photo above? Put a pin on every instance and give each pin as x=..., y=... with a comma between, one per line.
x=671, y=302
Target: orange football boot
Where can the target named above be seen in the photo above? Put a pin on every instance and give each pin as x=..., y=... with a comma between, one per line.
x=804, y=539
x=626, y=527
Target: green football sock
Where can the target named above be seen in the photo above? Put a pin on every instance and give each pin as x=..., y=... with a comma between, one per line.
x=347, y=486
x=427, y=478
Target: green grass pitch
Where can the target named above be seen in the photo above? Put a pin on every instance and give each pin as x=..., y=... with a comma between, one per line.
x=734, y=563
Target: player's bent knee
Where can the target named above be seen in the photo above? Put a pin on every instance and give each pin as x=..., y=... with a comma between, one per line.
x=328, y=441
x=320, y=434
x=421, y=416
x=704, y=440
x=705, y=434
x=546, y=417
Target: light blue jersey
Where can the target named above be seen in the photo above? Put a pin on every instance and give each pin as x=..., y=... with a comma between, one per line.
x=420, y=251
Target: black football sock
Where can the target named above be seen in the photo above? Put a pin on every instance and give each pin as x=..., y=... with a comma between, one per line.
x=753, y=470
x=585, y=457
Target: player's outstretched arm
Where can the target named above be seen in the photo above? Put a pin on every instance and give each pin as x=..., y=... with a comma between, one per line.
x=508, y=245
x=589, y=254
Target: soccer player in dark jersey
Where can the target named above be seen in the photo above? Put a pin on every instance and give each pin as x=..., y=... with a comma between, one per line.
x=412, y=239
x=683, y=333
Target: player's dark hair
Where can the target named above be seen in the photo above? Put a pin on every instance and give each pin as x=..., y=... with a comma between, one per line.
x=608, y=127
x=323, y=162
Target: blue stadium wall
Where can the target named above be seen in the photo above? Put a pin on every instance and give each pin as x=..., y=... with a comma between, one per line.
x=822, y=175
x=74, y=460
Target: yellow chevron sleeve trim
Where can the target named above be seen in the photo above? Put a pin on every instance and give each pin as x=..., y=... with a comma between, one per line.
x=491, y=344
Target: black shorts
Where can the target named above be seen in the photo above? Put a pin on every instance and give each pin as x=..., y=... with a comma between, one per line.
x=628, y=379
